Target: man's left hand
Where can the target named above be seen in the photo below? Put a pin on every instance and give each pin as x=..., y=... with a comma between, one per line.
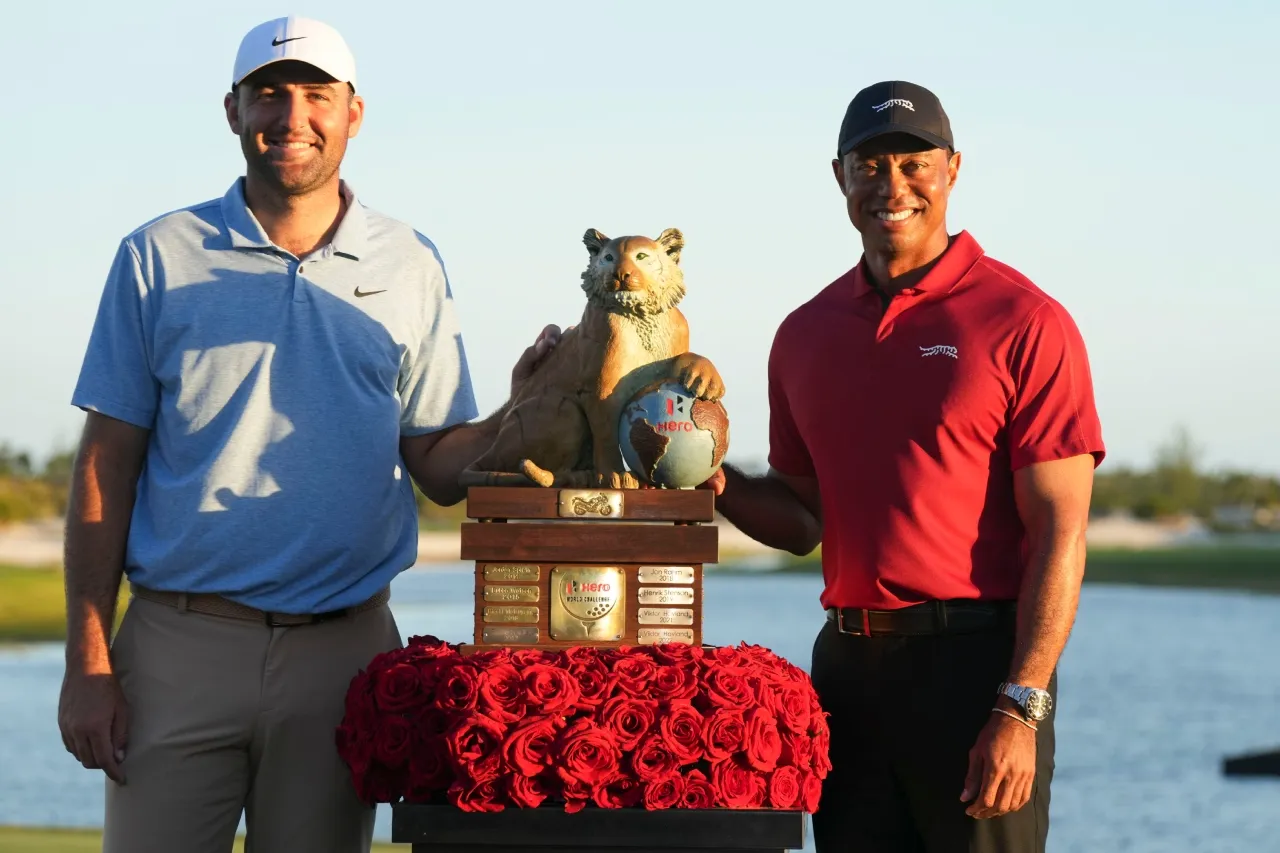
x=533, y=356
x=1002, y=768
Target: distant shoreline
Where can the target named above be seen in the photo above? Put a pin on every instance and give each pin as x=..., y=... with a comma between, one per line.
x=32, y=608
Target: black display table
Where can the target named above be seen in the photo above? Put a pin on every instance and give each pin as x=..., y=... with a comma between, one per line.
x=445, y=829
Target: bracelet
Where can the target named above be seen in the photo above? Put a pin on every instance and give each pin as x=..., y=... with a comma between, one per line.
x=1013, y=716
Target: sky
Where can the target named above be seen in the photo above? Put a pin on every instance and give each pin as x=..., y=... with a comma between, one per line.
x=1119, y=154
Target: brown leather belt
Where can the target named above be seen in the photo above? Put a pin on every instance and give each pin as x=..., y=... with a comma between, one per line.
x=933, y=617
x=216, y=605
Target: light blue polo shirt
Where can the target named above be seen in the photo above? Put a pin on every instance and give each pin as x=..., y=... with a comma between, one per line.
x=276, y=390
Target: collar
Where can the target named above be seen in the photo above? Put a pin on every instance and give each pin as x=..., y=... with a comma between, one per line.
x=245, y=232
x=954, y=264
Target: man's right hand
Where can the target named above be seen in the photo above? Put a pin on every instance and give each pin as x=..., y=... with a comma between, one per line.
x=94, y=719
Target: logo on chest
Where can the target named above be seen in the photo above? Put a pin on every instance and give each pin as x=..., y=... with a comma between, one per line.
x=940, y=349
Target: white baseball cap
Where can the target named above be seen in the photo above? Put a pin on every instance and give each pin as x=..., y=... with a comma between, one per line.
x=300, y=39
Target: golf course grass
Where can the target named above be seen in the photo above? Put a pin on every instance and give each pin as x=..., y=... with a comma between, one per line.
x=16, y=839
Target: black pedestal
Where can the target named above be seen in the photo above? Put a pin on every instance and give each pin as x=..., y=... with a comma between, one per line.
x=445, y=829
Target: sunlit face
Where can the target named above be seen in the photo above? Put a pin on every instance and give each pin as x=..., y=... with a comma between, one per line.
x=896, y=189
x=294, y=121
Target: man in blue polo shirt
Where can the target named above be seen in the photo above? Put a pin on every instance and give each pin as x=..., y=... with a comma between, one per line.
x=266, y=373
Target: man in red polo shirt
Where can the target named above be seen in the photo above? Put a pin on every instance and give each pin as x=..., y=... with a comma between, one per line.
x=932, y=423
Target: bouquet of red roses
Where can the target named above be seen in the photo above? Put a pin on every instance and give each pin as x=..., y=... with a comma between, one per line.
x=671, y=726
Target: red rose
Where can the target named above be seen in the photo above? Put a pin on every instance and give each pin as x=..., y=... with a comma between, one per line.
x=392, y=740
x=763, y=743
x=522, y=658
x=622, y=793
x=676, y=653
x=727, y=657
x=458, y=688
x=475, y=747
x=549, y=689
x=791, y=706
x=580, y=655
x=634, y=674
x=595, y=684
x=698, y=793
x=821, y=757
x=810, y=793
x=355, y=748
x=587, y=754
x=528, y=749
x=797, y=751
x=431, y=722
x=664, y=793
x=398, y=688
x=527, y=792
x=501, y=695
x=736, y=786
x=476, y=796
x=729, y=688
x=724, y=733
x=681, y=729
x=429, y=769
x=672, y=683
x=653, y=759
x=784, y=788
x=576, y=794
x=427, y=646
x=628, y=719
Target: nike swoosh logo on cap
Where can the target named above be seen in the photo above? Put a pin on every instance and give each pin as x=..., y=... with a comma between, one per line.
x=276, y=42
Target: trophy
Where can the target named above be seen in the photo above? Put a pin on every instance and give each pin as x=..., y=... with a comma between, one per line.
x=585, y=525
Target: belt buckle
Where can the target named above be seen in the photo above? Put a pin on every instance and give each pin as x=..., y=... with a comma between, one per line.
x=294, y=620
x=866, y=623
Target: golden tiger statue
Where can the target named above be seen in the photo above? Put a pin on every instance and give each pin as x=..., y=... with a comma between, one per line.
x=560, y=427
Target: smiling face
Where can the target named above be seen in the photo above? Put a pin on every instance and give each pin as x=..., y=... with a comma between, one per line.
x=293, y=121
x=896, y=189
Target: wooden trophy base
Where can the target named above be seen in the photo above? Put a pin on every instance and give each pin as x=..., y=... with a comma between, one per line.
x=446, y=829
x=557, y=568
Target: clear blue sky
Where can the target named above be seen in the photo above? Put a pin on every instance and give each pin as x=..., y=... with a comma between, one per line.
x=1120, y=154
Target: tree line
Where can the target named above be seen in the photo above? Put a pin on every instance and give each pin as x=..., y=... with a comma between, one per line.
x=1174, y=485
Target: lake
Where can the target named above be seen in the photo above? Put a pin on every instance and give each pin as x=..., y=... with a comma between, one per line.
x=1157, y=685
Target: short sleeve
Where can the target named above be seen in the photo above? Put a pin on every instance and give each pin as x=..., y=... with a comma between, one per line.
x=116, y=378
x=1053, y=414
x=435, y=385
x=788, y=453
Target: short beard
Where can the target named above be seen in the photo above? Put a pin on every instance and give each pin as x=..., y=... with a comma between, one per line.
x=302, y=183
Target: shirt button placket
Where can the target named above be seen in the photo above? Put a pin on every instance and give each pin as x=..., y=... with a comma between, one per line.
x=299, y=286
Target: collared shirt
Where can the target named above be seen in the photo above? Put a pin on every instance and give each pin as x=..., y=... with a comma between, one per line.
x=913, y=417
x=276, y=390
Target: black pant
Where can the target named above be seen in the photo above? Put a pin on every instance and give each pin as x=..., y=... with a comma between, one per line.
x=905, y=711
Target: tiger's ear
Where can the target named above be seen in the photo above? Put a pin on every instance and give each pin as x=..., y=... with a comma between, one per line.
x=595, y=241
x=673, y=242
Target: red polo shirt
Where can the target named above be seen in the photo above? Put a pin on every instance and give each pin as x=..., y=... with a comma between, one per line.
x=914, y=417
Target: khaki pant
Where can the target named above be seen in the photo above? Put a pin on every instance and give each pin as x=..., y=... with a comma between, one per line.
x=230, y=716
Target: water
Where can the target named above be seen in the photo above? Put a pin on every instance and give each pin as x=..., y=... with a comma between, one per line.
x=1156, y=686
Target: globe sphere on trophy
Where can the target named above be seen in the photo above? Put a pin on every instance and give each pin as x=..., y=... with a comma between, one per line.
x=671, y=439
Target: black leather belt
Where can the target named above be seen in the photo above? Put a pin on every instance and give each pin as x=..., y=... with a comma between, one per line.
x=216, y=605
x=933, y=617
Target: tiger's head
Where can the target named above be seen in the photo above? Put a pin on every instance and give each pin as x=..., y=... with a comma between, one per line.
x=634, y=275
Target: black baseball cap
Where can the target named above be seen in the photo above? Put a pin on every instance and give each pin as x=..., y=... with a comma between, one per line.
x=894, y=106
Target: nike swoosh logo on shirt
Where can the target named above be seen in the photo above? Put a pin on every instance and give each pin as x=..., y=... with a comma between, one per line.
x=368, y=292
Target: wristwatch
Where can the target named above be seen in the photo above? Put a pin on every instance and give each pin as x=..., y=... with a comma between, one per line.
x=1034, y=702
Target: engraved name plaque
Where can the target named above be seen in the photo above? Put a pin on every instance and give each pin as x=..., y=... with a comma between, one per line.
x=666, y=595
x=511, y=573
x=664, y=616
x=511, y=634
x=512, y=593
x=511, y=614
x=654, y=636
x=665, y=574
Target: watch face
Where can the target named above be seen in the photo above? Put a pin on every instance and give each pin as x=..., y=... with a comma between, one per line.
x=1038, y=704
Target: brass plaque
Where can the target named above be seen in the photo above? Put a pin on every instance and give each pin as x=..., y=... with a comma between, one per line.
x=590, y=503
x=511, y=593
x=665, y=616
x=666, y=574
x=511, y=614
x=511, y=573
x=652, y=636
x=588, y=603
x=666, y=595
x=523, y=635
